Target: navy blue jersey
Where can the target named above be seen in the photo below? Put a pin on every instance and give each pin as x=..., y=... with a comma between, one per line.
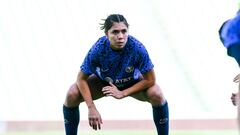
x=230, y=31
x=121, y=67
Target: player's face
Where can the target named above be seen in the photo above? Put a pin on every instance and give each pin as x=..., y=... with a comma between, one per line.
x=118, y=35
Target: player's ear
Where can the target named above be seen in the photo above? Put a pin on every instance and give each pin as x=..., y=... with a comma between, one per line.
x=106, y=33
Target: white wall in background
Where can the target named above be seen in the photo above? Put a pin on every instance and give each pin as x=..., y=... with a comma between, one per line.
x=43, y=43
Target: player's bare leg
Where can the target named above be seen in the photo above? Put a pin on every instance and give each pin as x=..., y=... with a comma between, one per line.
x=238, y=100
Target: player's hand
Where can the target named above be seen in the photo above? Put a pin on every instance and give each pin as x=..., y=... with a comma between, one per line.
x=94, y=118
x=235, y=98
x=113, y=91
x=237, y=79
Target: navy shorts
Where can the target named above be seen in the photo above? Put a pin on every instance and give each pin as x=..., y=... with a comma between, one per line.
x=234, y=51
x=96, y=83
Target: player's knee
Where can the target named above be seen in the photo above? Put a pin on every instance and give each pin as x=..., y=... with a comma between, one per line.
x=155, y=95
x=72, y=92
x=73, y=96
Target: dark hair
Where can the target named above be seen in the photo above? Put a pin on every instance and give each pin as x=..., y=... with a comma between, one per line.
x=111, y=19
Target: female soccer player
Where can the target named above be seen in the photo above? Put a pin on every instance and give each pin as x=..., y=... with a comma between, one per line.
x=117, y=65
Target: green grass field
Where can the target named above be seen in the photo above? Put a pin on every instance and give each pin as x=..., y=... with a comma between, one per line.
x=127, y=132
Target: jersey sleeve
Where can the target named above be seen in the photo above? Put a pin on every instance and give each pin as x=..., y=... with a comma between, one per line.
x=230, y=32
x=90, y=61
x=145, y=63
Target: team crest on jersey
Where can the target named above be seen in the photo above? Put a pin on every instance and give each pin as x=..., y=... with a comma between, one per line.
x=129, y=69
x=104, y=70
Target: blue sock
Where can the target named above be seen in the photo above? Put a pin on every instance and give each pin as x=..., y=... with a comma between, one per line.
x=71, y=120
x=161, y=118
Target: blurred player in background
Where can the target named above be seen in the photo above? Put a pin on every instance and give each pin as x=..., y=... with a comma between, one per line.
x=230, y=37
x=235, y=96
x=117, y=65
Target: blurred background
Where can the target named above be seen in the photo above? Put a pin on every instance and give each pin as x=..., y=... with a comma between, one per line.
x=43, y=43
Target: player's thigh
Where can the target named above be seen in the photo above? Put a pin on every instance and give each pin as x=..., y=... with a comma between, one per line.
x=95, y=85
x=141, y=96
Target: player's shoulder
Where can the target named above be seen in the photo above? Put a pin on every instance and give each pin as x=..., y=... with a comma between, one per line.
x=134, y=42
x=99, y=44
x=101, y=41
x=135, y=46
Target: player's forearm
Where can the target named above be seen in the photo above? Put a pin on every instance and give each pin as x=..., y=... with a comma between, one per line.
x=84, y=89
x=141, y=85
x=86, y=94
x=147, y=81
